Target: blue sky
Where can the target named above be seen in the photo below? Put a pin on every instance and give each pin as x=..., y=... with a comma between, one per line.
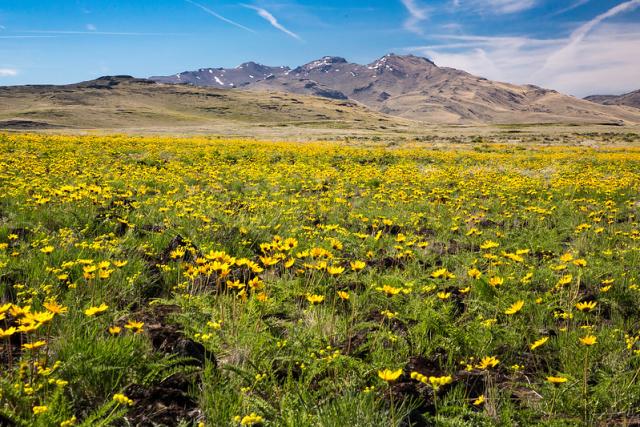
x=575, y=46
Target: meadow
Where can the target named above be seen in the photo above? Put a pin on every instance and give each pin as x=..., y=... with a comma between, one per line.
x=211, y=282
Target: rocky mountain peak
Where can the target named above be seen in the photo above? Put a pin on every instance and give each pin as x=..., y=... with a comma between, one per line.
x=409, y=86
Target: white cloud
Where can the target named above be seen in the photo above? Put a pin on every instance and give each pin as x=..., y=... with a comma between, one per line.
x=576, y=4
x=599, y=64
x=497, y=6
x=220, y=17
x=273, y=21
x=567, y=53
x=595, y=58
x=2, y=27
x=91, y=27
x=417, y=14
x=8, y=72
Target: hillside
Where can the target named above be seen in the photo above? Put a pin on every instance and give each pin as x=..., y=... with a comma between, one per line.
x=631, y=99
x=123, y=102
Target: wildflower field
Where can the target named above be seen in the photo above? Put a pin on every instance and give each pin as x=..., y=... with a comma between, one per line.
x=206, y=282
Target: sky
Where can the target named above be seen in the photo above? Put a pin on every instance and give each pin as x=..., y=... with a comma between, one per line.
x=579, y=47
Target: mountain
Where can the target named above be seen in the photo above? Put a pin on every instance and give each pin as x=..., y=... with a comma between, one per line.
x=127, y=103
x=415, y=88
x=242, y=75
x=631, y=99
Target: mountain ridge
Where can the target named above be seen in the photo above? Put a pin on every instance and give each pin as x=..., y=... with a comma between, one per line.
x=631, y=99
x=411, y=87
x=126, y=103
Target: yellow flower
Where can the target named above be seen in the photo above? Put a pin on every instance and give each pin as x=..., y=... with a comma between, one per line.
x=389, y=314
x=47, y=249
x=343, y=295
x=566, y=257
x=539, y=343
x=488, y=244
x=37, y=410
x=388, y=375
x=588, y=340
x=565, y=280
x=55, y=308
x=557, y=380
x=586, y=305
x=34, y=345
x=479, y=401
x=6, y=333
x=121, y=399
x=488, y=362
x=315, y=299
x=4, y=308
x=444, y=295
x=115, y=330
x=496, y=281
x=357, y=265
x=419, y=377
x=92, y=311
x=214, y=325
x=70, y=422
x=438, y=382
x=513, y=257
x=516, y=307
x=250, y=420
x=444, y=273
x=474, y=273
x=134, y=326
x=335, y=270
x=17, y=311
x=390, y=290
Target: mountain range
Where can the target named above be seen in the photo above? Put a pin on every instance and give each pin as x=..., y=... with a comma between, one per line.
x=414, y=88
x=631, y=99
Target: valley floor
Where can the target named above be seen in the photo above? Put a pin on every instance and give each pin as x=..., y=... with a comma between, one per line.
x=462, y=278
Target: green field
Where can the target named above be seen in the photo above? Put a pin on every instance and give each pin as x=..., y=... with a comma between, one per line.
x=212, y=282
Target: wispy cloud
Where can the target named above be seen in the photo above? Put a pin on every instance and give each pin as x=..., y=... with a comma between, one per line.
x=577, y=36
x=8, y=72
x=594, y=58
x=273, y=21
x=220, y=17
x=497, y=6
x=576, y=4
x=91, y=27
x=417, y=14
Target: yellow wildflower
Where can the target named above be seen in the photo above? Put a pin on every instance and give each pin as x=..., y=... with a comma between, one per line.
x=515, y=307
x=539, y=343
x=589, y=340
x=92, y=311
x=388, y=375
